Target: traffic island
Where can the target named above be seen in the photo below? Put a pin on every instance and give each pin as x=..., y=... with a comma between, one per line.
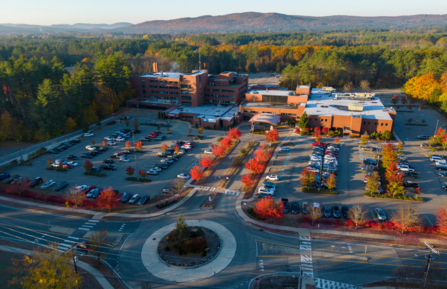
x=134, y=179
x=62, y=170
x=201, y=247
x=212, y=201
x=100, y=175
x=160, y=269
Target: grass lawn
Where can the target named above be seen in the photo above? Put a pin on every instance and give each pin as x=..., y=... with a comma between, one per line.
x=5, y=268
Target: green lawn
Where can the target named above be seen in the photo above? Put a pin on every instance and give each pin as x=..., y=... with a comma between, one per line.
x=5, y=268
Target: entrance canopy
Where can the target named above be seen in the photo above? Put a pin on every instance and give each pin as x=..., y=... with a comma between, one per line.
x=271, y=119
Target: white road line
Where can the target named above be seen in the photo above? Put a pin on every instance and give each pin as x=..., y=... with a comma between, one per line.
x=62, y=248
x=66, y=245
x=74, y=238
x=70, y=241
x=96, y=221
x=90, y=223
x=85, y=226
x=85, y=229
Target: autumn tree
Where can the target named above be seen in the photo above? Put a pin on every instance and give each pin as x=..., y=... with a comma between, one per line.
x=98, y=245
x=372, y=182
x=50, y=161
x=255, y=166
x=349, y=86
x=108, y=199
x=164, y=147
x=399, y=146
x=441, y=219
x=128, y=144
x=262, y=153
x=395, y=180
x=130, y=171
x=307, y=177
x=394, y=100
x=206, y=162
x=268, y=208
x=135, y=124
x=364, y=138
x=177, y=148
x=331, y=182
x=406, y=217
x=315, y=213
x=200, y=130
x=248, y=180
x=357, y=214
x=22, y=186
x=218, y=150
x=45, y=269
x=196, y=173
x=364, y=85
x=88, y=165
x=271, y=135
x=336, y=140
x=77, y=197
x=388, y=155
x=139, y=145
x=104, y=143
x=234, y=133
x=226, y=142
x=142, y=173
x=317, y=135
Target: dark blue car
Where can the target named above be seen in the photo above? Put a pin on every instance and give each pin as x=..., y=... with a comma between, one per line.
x=4, y=176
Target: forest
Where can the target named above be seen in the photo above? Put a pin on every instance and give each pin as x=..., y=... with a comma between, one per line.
x=41, y=99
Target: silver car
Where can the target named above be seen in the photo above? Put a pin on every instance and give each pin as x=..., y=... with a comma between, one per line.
x=380, y=214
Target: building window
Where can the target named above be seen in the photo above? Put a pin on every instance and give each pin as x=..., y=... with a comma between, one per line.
x=369, y=123
x=186, y=97
x=316, y=119
x=186, y=103
x=185, y=86
x=144, y=91
x=381, y=124
x=386, y=124
x=143, y=86
x=142, y=81
x=153, y=81
x=364, y=122
x=186, y=92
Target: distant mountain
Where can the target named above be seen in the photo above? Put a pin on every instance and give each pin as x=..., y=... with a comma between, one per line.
x=253, y=21
x=58, y=28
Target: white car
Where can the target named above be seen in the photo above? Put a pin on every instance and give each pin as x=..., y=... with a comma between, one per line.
x=183, y=176
x=126, y=160
x=152, y=172
x=48, y=184
x=158, y=169
x=111, y=143
x=265, y=188
x=265, y=191
x=402, y=157
x=108, y=138
x=72, y=164
x=208, y=151
x=90, y=148
x=435, y=158
x=134, y=199
x=284, y=149
x=185, y=147
x=88, y=134
x=272, y=178
x=119, y=139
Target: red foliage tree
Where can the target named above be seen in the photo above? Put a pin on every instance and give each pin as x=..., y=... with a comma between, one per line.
x=177, y=148
x=104, y=143
x=234, y=133
x=139, y=145
x=218, y=150
x=128, y=144
x=108, y=199
x=441, y=219
x=317, y=129
x=196, y=173
x=317, y=135
x=255, y=166
x=271, y=135
x=248, y=180
x=164, y=147
x=268, y=208
x=226, y=142
x=262, y=154
x=417, y=191
x=130, y=171
x=88, y=165
x=325, y=130
x=142, y=173
x=297, y=130
x=336, y=140
x=206, y=162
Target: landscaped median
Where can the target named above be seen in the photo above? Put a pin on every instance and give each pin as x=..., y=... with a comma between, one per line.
x=134, y=179
x=402, y=198
x=56, y=169
x=95, y=174
x=317, y=191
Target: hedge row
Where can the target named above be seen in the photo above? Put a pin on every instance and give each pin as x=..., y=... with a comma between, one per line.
x=389, y=225
x=385, y=196
x=316, y=191
x=134, y=179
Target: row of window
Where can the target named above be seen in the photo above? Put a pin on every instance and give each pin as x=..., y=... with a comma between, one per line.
x=185, y=86
x=217, y=95
x=381, y=124
x=217, y=101
x=186, y=97
x=316, y=119
x=186, y=92
x=162, y=81
x=250, y=111
x=161, y=92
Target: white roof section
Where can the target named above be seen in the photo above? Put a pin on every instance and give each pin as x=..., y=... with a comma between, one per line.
x=170, y=74
x=209, y=111
x=324, y=104
x=272, y=92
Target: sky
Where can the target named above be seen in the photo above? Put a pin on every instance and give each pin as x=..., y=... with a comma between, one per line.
x=47, y=12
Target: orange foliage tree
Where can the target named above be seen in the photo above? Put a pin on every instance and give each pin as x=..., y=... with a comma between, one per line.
x=206, y=162
x=226, y=142
x=268, y=208
x=196, y=173
x=177, y=148
x=164, y=147
x=218, y=150
x=255, y=166
x=441, y=219
x=142, y=173
x=128, y=144
x=271, y=135
x=248, y=180
x=234, y=133
x=262, y=153
x=108, y=199
x=139, y=145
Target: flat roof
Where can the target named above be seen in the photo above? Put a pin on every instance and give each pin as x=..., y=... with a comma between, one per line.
x=170, y=74
x=208, y=110
x=324, y=104
x=272, y=92
x=269, y=105
x=266, y=118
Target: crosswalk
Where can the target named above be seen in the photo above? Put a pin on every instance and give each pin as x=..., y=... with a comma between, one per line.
x=230, y=192
x=209, y=189
x=212, y=189
x=327, y=284
x=88, y=225
x=122, y=227
x=68, y=243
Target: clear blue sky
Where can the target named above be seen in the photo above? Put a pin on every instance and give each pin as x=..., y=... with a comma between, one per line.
x=46, y=12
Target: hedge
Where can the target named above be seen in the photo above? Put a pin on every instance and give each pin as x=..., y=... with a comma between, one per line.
x=56, y=169
x=165, y=204
x=385, y=196
x=134, y=179
x=95, y=174
x=316, y=191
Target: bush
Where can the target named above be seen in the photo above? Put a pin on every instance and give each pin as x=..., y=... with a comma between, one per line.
x=316, y=191
x=134, y=179
x=251, y=212
x=195, y=245
x=95, y=174
x=111, y=122
x=219, y=139
x=385, y=196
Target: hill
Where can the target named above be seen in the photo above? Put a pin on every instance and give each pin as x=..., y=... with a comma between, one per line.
x=58, y=28
x=265, y=22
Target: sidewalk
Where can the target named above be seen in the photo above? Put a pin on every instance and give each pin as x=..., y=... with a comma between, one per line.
x=93, y=271
x=100, y=215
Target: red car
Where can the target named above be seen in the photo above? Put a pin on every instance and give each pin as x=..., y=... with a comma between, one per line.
x=318, y=144
x=153, y=133
x=67, y=166
x=84, y=246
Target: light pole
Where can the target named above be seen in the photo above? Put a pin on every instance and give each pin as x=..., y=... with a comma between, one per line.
x=427, y=267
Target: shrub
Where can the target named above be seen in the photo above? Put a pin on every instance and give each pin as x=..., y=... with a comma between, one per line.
x=195, y=245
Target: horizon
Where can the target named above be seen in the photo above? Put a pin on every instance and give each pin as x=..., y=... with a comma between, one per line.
x=115, y=11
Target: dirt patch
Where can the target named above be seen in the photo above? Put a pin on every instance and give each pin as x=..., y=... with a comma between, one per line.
x=105, y=270
x=170, y=254
x=279, y=282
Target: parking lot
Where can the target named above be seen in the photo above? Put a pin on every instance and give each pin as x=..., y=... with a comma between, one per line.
x=116, y=179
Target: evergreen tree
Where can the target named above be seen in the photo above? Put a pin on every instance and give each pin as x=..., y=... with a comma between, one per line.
x=304, y=120
x=182, y=232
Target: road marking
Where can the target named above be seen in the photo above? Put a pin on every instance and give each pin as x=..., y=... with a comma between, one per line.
x=62, y=248
x=305, y=248
x=96, y=221
x=304, y=237
x=90, y=223
x=85, y=226
x=66, y=245
x=85, y=229
x=70, y=241
x=74, y=238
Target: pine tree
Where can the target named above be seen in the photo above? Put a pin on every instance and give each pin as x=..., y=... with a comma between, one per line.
x=304, y=120
x=181, y=232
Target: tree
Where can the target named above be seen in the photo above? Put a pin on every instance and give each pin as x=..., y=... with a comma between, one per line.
x=262, y=154
x=410, y=107
x=336, y=140
x=88, y=165
x=388, y=155
x=206, y=162
x=130, y=171
x=331, y=182
x=196, y=173
x=314, y=213
x=77, y=197
x=268, y=208
x=126, y=122
x=50, y=161
x=364, y=138
x=348, y=86
x=98, y=242
x=104, y=143
x=22, y=186
x=200, y=130
x=135, y=124
x=410, y=120
x=417, y=191
x=403, y=100
x=307, y=177
x=364, y=85
x=372, y=182
x=271, y=135
x=441, y=219
x=395, y=180
x=177, y=148
x=304, y=120
x=177, y=184
x=181, y=233
x=394, y=100
x=164, y=147
x=218, y=150
x=234, y=133
x=357, y=214
x=139, y=145
x=142, y=173
x=317, y=135
x=406, y=217
x=387, y=135
x=255, y=166
x=226, y=142
x=248, y=180
x=108, y=199
x=325, y=130
x=45, y=269
x=399, y=146
x=128, y=144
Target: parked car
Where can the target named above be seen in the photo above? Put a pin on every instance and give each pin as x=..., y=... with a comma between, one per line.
x=305, y=208
x=126, y=160
x=108, y=161
x=76, y=140
x=266, y=191
x=134, y=199
x=369, y=168
x=272, y=178
x=435, y=158
x=168, y=191
x=126, y=197
x=402, y=157
x=72, y=164
x=409, y=169
x=411, y=184
x=284, y=149
x=14, y=179
x=85, y=245
x=108, y=167
x=95, y=170
x=369, y=161
x=72, y=157
x=423, y=137
x=261, y=195
x=86, y=156
x=295, y=208
x=152, y=172
x=52, y=151
x=327, y=211
x=412, y=175
x=208, y=151
x=96, y=193
x=267, y=183
x=336, y=212
x=183, y=176
x=4, y=176
x=380, y=214
x=61, y=186
x=285, y=203
x=37, y=181
x=144, y=200
x=92, y=193
x=88, y=134
x=344, y=211
x=48, y=184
